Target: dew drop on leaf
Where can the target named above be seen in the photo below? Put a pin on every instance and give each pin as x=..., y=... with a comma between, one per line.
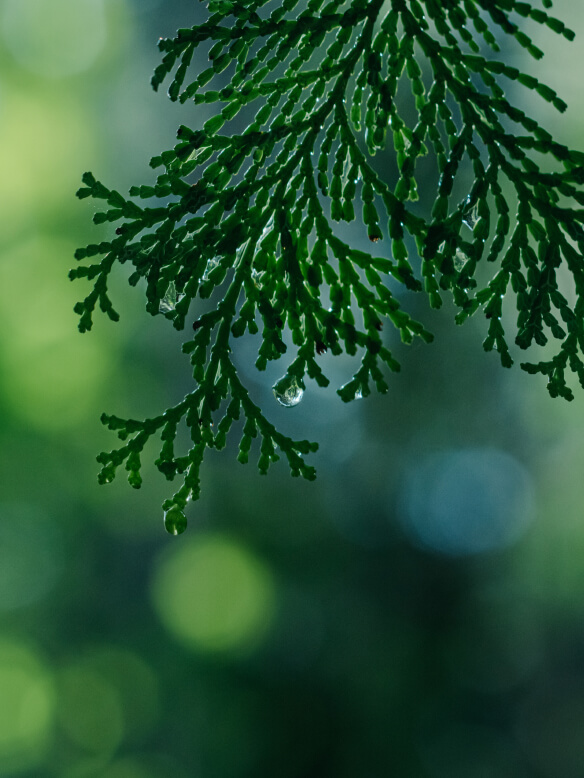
x=288, y=391
x=106, y=476
x=211, y=265
x=170, y=299
x=471, y=216
x=175, y=522
x=256, y=278
x=460, y=260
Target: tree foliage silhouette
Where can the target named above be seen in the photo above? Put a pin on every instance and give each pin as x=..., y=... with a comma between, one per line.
x=248, y=218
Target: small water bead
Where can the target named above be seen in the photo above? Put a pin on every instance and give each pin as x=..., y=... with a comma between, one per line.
x=288, y=391
x=358, y=394
x=175, y=522
x=211, y=265
x=256, y=278
x=107, y=475
x=460, y=260
x=471, y=216
x=170, y=299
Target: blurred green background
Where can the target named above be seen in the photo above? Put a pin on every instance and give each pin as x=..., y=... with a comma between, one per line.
x=417, y=612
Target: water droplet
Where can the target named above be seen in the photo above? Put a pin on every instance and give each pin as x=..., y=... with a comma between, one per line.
x=460, y=260
x=211, y=265
x=170, y=299
x=256, y=278
x=175, y=522
x=471, y=216
x=288, y=391
x=358, y=394
x=107, y=475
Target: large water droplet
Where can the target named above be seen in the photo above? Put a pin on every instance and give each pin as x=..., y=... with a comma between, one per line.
x=288, y=391
x=170, y=299
x=471, y=216
x=175, y=522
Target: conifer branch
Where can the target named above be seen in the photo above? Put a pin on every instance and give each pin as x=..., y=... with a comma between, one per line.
x=247, y=217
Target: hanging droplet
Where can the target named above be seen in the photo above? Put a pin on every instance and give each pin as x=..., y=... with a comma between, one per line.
x=107, y=475
x=256, y=278
x=211, y=265
x=471, y=216
x=358, y=394
x=460, y=260
x=288, y=391
x=170, y=299
x=175, y=522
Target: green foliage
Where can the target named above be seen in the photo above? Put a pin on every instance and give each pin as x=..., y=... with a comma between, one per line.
x=247, y=219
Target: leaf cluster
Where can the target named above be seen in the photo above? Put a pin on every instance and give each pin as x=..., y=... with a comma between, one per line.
x=249, y=219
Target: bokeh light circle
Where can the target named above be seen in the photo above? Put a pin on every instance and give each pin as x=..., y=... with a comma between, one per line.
x=49, y=376
x=466, y=501
x=213, y=594
x=54, y=38
x=26, y=708
x=90, y=709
